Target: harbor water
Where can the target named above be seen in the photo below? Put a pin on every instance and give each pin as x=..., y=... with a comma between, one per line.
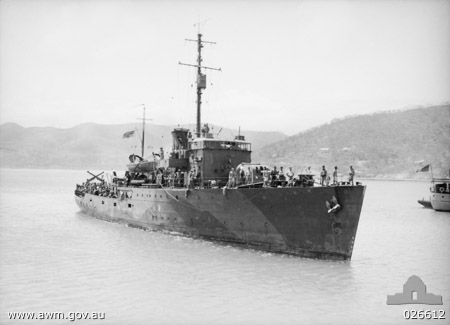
x=55, y=259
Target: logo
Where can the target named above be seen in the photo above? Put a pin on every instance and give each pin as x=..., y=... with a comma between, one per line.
x=414, y=292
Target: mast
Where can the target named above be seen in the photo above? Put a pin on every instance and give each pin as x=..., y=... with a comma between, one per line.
x=143, y=133
x=200, y=85
x=201, y=78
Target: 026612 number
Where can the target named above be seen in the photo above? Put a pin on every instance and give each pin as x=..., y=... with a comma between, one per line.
x=424, y=314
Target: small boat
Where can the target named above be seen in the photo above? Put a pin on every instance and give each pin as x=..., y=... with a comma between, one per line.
x=425, y=203
x=439, y=191
x=143, y=166
x=440, y=194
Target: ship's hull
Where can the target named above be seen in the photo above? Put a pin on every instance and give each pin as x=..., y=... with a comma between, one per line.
x=440, y=201
x=295, y=221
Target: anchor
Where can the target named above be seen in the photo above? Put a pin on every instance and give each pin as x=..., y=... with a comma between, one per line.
x=333, y=206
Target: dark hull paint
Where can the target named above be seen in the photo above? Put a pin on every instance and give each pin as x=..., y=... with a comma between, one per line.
x=285, y=220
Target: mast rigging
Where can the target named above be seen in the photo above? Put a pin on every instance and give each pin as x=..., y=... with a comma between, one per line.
x=201, y=78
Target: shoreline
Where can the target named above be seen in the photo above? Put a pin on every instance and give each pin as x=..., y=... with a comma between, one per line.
x=383, y=178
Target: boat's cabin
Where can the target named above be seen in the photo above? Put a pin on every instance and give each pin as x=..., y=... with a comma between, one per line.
x=440, y=185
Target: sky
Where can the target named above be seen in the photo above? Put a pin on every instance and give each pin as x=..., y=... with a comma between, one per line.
x=286, y=65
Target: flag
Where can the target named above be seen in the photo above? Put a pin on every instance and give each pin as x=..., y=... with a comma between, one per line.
x=128, y=134
x=424, y=169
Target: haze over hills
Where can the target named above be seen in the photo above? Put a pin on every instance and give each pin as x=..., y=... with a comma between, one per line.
x=94, y=146
x=388, y=144
x=394, y=144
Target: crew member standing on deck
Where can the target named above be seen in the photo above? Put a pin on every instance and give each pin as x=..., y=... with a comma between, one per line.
x=281, y=176
x=248, y=176
x=266, y=177
x=241, y=176
x=274, y=174
x=290, y=177
x=232, y=178
x=198, y=177
x=335, y=176
x=351, y=175
x=159, y=177
x=323, y=176
x=192, y=178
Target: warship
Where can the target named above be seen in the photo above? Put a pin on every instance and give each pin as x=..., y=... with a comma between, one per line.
x=208, y=188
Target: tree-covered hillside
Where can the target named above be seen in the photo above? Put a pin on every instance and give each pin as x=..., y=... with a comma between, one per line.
x=390, y=143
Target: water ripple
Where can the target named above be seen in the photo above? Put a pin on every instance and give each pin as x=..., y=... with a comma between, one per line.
x=57, y=259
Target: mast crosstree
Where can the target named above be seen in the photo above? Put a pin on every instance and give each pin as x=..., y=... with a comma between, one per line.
x=201, y=78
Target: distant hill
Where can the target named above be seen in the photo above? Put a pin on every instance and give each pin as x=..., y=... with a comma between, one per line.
x=93, y=146
x=389, y=144
x=393, y=144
